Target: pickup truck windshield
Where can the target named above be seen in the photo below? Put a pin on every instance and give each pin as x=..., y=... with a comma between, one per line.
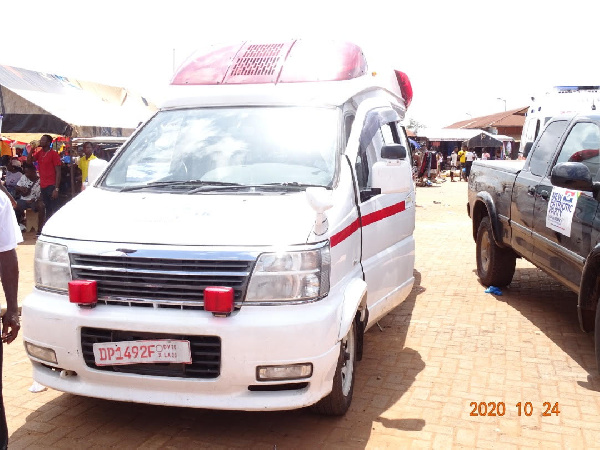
x=241, y=146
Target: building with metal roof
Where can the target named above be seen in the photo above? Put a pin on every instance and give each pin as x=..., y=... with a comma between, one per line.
x=508, y=123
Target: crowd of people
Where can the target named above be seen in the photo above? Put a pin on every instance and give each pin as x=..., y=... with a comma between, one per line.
x=37, y=177
x=429, y=163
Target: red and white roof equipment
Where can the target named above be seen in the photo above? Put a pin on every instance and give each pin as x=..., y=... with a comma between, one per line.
x=294, y=61
x=284, y=62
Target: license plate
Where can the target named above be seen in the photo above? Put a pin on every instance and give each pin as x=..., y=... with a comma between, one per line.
x=142, y=352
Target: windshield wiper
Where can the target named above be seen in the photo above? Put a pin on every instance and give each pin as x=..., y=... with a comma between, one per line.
x=215, y=186
x=223, y=186
x=191, y=183
x=295, y=184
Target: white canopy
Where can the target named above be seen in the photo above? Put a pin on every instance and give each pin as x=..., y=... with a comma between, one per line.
x=35, y=102
x=457, y=134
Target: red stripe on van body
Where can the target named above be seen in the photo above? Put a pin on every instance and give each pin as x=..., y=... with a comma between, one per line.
x=344, y=234
x=368, y=219
x=388, y=211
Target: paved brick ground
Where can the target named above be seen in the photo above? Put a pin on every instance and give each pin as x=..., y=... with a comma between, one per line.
x=448, y=345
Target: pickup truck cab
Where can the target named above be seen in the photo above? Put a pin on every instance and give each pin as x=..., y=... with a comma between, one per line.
x=237, y=247
x=544, y=209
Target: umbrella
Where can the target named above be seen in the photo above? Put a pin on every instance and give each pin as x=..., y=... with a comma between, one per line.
x=414, y=143
x=483, y=140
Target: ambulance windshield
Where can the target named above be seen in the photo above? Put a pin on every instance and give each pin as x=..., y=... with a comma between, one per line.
x=241, y=146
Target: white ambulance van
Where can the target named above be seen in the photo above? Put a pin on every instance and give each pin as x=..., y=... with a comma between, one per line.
x=237, y=247
x=557, y=101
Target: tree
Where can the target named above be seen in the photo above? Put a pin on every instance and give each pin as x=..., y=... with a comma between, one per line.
x=414, y=125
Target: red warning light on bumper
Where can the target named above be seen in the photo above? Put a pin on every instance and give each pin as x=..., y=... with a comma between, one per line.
x=219, y=300
x=83, y=292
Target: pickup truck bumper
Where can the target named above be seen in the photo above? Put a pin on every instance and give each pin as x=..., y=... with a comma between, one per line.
x=251, y=337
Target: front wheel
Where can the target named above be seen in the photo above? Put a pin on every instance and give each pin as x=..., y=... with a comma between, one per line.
x=338, y=401
x=495, y=265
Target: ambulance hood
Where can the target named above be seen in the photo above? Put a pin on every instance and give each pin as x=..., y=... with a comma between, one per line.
x=215, y=219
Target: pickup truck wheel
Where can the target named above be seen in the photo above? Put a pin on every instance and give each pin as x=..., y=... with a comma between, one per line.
x=338, y=401
x=597, y=338
x=495, y=265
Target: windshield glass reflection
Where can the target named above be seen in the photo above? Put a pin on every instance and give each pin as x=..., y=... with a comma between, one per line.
x=247, y=146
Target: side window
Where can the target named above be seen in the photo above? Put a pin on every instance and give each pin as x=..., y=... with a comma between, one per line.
x=348, y=121
x=583, y=145
x=532, y=129
x=403, y=140
x=545, y=146
x=370, y=154
x=386, y=133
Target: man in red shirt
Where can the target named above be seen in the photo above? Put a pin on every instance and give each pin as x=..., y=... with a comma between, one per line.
x=49, y=168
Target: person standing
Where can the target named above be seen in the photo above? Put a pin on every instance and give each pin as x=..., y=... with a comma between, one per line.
x=9, y=274
x=49, y=167
x=418, y=159
x=432, y=161
x=462, y=157
x=469, y=158
x=440, y=161
x=84, y=161
x=453, y=166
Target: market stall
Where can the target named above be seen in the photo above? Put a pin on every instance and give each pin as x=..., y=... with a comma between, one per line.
x=35, y=103
x=446, y=140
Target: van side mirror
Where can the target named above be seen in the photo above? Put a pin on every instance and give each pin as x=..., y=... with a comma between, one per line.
x=95, y=169
x=392, y=176
x=393, y=151
x=320, y=200
x=573, y=175
x=527, y=149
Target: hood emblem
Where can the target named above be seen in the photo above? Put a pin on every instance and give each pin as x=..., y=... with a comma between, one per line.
x=120, y=252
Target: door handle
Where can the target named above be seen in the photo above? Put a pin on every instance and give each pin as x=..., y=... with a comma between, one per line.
x=531, y=190
x=544, y=195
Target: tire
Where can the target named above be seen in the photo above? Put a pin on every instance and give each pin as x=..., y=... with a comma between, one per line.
x=589, y=317
x=597, y=338
x=338, y=401
x=495, y=265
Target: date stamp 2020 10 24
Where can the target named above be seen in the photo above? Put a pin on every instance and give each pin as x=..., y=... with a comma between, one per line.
x=522, y=408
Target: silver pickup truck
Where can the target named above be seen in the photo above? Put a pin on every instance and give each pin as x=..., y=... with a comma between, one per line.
x=544, y=209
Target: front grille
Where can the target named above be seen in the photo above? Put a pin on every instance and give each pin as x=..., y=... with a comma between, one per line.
x=206, y=354
x=159, y=282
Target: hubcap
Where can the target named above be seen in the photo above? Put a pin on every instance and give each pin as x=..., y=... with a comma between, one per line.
x=348, y=365
x=485, y=251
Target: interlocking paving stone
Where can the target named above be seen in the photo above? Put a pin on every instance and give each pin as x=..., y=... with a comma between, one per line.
x=449, y=344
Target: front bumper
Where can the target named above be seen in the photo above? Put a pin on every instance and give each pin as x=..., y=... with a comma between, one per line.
x=250, y=337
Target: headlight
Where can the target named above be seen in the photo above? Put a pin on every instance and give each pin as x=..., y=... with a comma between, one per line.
x=290, y=276
x=51, y=268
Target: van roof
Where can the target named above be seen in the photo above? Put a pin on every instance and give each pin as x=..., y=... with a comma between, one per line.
x=323, y=73
x=327, y=94
x=566, y=99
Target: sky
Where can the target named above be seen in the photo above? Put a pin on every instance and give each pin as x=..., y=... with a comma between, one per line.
x=461, y=55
